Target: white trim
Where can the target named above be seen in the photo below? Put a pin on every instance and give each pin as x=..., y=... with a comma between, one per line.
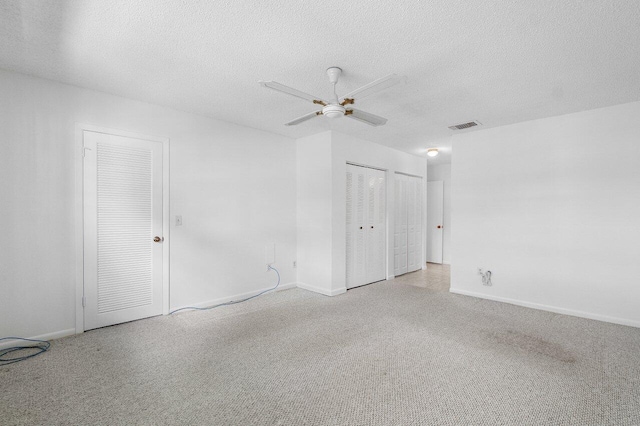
x=351, y=163
x=322, y=290
x=48, y=336
x=391, y=277
x=555, y=309
x=424, y=215
x=166, y=222
x=226, y=299
x=409, y=174
x=79, y=227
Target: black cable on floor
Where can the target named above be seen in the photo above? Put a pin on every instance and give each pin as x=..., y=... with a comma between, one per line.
x=41, y=346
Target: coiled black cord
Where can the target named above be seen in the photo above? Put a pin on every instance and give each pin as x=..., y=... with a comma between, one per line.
x=41, y=347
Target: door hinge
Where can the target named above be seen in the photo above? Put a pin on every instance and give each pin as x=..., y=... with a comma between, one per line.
x=84, y=301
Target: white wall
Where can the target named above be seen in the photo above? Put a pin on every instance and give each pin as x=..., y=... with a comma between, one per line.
x=234, y=186
x=443, y=172
x=552, y=207
x=322, y=161
x=314, y=211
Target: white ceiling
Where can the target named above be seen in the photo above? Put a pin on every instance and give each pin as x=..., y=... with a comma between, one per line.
x=495, y=61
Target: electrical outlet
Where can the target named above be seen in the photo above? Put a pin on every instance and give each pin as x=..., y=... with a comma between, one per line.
x=479, y=271
x=295, y=264
x=179, y=220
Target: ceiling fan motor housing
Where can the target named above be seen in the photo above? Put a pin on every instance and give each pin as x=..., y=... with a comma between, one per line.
x=334, y=74
x=333, y=111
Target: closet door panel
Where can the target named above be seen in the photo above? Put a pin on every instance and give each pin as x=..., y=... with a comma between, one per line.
x=420, y=242
x=414, y=224
x=356, y=222
x=400, y=228
x=351, y=228
x=376, y=229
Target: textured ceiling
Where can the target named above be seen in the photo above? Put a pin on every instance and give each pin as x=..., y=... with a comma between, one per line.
x=494, y=61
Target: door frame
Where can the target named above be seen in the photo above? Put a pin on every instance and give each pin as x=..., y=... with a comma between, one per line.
x=79, y=216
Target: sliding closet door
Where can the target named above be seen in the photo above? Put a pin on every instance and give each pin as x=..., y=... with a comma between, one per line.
x=366, y=226
x=400, y=230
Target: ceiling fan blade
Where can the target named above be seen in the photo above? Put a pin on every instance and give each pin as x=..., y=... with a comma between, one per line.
x=303, y=118
x=291, y=91
x=375, y=86
x=366, y=117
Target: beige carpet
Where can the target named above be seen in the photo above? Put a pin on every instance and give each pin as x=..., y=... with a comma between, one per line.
x=385, y=354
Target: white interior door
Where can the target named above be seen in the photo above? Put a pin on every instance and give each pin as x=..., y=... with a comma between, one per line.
x=400, y=240
x=408, y=244
x=366, y=226
x=122, y=203
x=414, y=223
x=435, y=201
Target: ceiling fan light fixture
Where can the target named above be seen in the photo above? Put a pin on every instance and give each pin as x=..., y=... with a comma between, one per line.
x=432, y=152
x=333, y=111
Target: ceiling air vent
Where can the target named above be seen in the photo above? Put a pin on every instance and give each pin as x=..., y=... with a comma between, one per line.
x=465, y=125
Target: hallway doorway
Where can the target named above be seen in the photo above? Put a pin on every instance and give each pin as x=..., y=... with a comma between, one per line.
x=437, y=277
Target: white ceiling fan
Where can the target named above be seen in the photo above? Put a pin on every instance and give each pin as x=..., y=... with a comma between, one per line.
x=337, y=107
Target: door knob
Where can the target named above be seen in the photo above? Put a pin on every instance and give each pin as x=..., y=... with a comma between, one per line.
x=439, y=226
x=158, y=239
x=371, y=226
x=361, y=227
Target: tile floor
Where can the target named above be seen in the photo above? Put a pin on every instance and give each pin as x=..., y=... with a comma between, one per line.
x=436, y=277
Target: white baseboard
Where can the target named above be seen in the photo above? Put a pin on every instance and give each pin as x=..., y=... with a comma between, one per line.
x=322, y=290
x=286, y=286
x=49, y=336
x=555, y=309
x=391, y=277
x=72, y=331
x=213, y=302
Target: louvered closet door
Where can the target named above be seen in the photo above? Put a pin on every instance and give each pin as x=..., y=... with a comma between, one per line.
x=366, y=226
x=122, y=215
x=414, y=223
x=400, y=225
x=376, y=229
x=356, y=232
